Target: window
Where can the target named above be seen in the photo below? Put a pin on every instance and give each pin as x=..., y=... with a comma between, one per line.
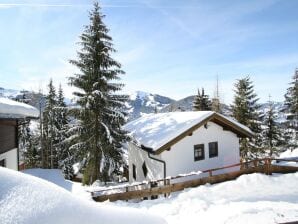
x=3, y=163
x=213, y=149
x=145, y=170
x=199, y=153
x=134, y=171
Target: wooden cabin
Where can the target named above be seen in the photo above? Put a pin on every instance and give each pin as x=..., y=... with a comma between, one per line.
x=12, y=113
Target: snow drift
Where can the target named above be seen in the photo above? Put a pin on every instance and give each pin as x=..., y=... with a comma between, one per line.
x=253, y=198
x=28, y=199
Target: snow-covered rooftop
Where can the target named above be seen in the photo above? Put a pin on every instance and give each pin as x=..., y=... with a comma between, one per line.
x=13, y=109
x=155, y=130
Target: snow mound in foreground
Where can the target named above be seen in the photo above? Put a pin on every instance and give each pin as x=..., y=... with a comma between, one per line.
x=52, y=175
x=254, y=198
x=27, y=199
x=55, y=176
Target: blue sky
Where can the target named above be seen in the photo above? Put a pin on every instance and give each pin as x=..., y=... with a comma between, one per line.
x=166, y=47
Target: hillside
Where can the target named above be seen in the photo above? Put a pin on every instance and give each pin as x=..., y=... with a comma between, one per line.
x=139, y=103
x=144, y=103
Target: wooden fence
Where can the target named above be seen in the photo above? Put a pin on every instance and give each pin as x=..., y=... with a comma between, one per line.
x=165, y=187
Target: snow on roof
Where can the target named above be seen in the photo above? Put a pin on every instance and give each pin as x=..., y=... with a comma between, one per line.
x=27, y=199
x=155, y=130
x=13, y=109
x=236, y=123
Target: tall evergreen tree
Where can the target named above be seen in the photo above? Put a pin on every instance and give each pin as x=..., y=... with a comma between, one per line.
x=49, y=127
x=201, y=101
x=101, y=112
x=29, y=145
x=245, y=110
x=271, y=134
x=62, y=128
x=291, y=104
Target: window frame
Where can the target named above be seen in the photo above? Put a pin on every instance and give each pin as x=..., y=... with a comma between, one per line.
x=213, y=153
x=199, y=147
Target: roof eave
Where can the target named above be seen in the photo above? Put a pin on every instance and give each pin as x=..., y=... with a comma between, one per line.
x=215, y=117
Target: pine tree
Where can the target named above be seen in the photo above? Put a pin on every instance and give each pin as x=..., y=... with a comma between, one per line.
x=271, y=133
x=101, y=112
x=49, y=127
x=245, y=110
x=291, y=104
x=201, y=101
x=64, y=157
x=29, y=145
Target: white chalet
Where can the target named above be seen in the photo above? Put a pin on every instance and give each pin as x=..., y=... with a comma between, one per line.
x=11, y=114
x=169, y=144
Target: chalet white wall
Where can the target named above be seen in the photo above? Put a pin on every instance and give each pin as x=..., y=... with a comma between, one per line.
x=180, y=159
x=137, y=156
x=11, y=158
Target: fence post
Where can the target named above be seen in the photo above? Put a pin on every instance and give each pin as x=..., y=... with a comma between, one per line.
x=269, y=167
x=169, y=183
x=210, y=173
x=126, y=189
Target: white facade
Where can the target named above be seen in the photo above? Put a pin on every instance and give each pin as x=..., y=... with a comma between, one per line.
x=180, y=158
x=11, y=159
x=137, y=157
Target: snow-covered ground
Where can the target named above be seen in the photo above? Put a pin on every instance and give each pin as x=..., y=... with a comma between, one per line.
x=289, y=154
x=26, y=199
x=254, y=198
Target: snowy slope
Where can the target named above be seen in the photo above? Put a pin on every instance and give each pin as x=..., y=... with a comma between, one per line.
x=143, y=103
x=29, y=200
x=10, y=93
x=254, y=198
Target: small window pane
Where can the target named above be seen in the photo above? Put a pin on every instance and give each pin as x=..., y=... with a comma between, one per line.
x=199, y=153
x=213, y=149
x=145, y=170
x=3, y=163
x=134, y=171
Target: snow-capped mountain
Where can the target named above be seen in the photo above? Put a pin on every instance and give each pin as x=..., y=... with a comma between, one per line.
x=143, y=103
x=9, y=93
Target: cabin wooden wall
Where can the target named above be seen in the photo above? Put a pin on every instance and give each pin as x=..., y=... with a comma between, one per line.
x=8, y=135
